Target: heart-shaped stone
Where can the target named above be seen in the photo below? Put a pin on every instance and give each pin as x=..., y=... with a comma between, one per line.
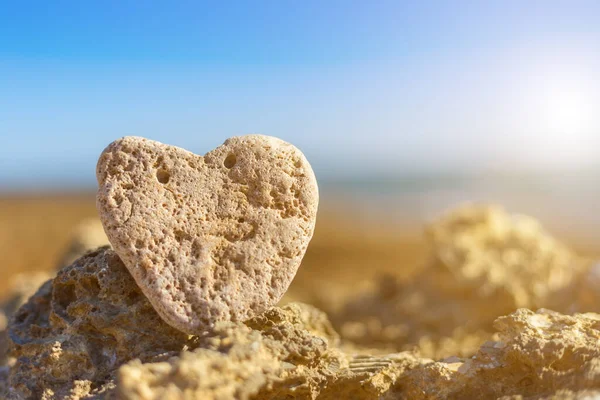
x=208, y=238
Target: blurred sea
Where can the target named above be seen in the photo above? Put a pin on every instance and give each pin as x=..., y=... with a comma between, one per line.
x=565, y=202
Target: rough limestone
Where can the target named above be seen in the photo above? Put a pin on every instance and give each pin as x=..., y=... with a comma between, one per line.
x=208, y=238
x=22, y=286
x=484, y=263
x=537, y=355
x=238, y=360
x=88, y=235
x=290, y=352
x=79, y=327
x=71, y=352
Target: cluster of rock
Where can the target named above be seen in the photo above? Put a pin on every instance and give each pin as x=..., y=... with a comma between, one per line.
x=78, y=327
x=461, y=328
x=483, y=263
x=88, y=235
x=90, y=334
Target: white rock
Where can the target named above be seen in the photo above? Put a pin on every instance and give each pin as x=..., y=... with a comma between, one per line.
x=208, y=238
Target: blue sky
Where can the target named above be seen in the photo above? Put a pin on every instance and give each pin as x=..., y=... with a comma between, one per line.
x=377, y=86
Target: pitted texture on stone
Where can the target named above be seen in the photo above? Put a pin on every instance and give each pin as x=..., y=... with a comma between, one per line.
x=292, y=352
x=80, y=327
x=203, y=374
x=208, y=238
x=285, y=353
x=296, y=333
x=537, y=355
x=234, y=360
x=22, y=286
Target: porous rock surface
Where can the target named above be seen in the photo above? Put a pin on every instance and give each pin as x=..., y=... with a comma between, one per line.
x=237, y=360
x=484, y=262
x=537, y=355
x=22, y=286
x=208, y=238
x=285, y=353
x=79, y=327
x=88, y=235
x=288, y=352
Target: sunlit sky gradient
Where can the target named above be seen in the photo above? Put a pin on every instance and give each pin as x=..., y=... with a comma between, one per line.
x=358, y=86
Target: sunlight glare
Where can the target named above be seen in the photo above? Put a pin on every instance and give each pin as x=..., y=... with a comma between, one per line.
x=567, y=111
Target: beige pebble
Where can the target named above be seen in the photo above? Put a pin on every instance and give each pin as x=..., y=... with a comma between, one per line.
x=208, y=238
